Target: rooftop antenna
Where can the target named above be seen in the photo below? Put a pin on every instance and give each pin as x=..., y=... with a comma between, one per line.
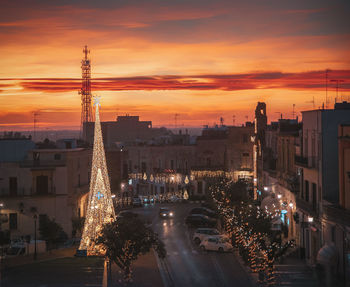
x=222, y=121
x=35, y=120
x=293, y=113
x=233, y=120
x=337, y=87
x=312, y=102
x=175, y=117
x=327, y=70
x=85, y=91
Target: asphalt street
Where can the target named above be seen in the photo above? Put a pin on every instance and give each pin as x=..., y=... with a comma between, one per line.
x=186, y=264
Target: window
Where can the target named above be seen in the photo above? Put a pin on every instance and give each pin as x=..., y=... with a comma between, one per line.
x=143, y=167
x=333, y=233
x=57, y=156
x=68, y=145
x=246, y=154
x=307, y=190
x=13, y=221
x=314, y=196
x=13, y=186
x=208, y=162
x=245, y=138
x=42, y=184
x=36, y=156
x=200, y=187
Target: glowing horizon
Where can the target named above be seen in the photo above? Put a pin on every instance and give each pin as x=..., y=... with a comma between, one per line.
x=201, y=62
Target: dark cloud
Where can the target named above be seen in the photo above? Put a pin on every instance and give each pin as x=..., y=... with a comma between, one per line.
x=312, y=80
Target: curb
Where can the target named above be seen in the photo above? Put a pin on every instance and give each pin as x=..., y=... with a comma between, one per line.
x=253, y=277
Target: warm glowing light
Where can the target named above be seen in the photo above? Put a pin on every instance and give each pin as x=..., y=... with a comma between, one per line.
x=186, y=180
x=266, y=188
x=279, y=196
x=100, y=206
x=310, y=219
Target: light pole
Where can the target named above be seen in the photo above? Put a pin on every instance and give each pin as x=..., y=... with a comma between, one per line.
x=35, y=218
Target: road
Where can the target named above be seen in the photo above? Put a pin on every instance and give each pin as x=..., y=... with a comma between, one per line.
x=186, y=264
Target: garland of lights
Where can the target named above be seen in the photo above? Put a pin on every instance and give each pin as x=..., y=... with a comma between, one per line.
x=241, y=222
x=100, y=208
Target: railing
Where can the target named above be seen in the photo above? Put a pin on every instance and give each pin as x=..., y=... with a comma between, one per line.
x=305, y=206
x=43, y=163
x=301, y=161
x=308, y=162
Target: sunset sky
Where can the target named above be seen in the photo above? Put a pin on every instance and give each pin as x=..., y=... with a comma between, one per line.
x=199, y=59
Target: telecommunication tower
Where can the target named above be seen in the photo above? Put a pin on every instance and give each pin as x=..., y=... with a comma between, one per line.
x=85, y=92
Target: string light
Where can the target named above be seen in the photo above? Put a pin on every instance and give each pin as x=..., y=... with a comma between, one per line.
x=100, y=208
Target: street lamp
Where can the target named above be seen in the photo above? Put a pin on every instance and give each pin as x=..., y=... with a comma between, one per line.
x=35, y=218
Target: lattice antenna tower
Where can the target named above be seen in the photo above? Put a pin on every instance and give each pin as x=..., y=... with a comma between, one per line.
x=85, y=92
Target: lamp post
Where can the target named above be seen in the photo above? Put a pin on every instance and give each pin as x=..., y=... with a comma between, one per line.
x=35, y=218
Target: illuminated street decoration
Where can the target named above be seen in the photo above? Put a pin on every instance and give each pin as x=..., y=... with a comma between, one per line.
x=100, y=208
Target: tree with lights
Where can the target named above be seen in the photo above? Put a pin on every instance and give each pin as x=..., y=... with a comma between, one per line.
x=100, y=208
x=127, y=238
x=250, y=227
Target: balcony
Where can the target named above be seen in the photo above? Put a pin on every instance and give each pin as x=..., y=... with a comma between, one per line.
x=306, y=162
x=39, y=164
x=301, y=161
x=337, y=214
x=305, y=206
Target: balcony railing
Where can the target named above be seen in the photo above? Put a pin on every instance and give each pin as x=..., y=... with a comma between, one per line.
x=307, y=162
x=301, y=161
x=43, y=163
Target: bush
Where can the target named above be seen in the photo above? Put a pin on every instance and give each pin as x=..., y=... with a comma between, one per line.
x=51, y=232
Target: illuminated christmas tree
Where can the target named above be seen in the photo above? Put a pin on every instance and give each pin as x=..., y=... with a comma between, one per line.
x=100, y=208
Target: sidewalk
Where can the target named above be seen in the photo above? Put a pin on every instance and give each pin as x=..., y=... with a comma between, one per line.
x=58, y=272
x=10, y=262
x=145, y=272
x=294, y=272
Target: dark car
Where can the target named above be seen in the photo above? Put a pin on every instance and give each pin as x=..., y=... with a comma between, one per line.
x=200, y=220
x=165, y=213
x=204, y=211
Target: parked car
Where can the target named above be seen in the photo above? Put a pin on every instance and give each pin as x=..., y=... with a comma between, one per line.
x=221, y=244
x=203, y=210
x=200, y=220
x=165, y=213
x=136, y=201
x=202, y=233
